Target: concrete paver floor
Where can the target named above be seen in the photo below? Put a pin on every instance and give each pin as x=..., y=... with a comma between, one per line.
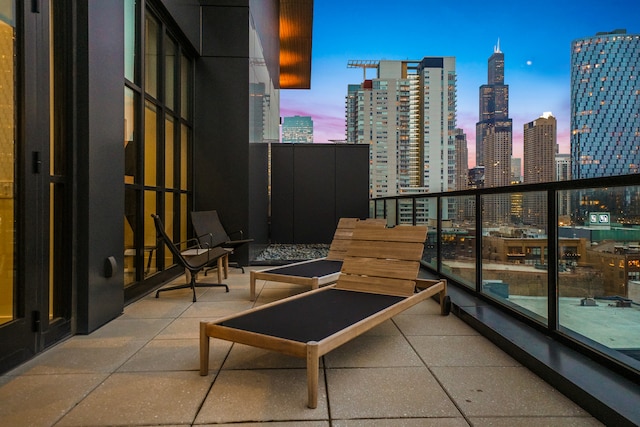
x=418, y=369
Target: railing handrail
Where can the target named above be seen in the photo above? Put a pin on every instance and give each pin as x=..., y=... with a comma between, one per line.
x=599, y=182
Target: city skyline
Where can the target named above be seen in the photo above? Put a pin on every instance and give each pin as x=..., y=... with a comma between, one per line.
x=536, y=48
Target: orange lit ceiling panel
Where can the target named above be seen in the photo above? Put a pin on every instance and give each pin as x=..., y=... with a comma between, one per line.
x=296, y=25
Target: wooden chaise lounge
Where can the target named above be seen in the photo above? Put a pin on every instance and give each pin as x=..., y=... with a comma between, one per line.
x=379, y=280
x=320, y=271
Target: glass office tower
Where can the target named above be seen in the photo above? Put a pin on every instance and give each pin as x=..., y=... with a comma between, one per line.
x=297, y=129
x=605, y=104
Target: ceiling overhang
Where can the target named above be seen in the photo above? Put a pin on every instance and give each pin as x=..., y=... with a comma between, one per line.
x=296, y=26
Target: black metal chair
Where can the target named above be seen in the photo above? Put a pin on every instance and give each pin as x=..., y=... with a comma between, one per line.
x=204, y=257
x=207, y=223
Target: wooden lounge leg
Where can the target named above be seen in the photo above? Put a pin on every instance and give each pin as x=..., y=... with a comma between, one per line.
x=252, y=285
x=204, y=349
x=313, y=364
x=315, y=284
x=220, y=268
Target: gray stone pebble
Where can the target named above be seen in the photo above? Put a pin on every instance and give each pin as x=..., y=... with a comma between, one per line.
x=290, y=252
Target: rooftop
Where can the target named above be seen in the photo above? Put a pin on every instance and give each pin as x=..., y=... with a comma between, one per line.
x=420, y=368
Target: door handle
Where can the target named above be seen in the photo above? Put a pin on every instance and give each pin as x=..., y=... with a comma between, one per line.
x=36, y=162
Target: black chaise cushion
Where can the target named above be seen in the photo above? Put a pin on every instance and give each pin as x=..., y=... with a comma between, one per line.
x=314, y=316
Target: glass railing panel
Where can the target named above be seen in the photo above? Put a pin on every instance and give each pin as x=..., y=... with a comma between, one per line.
x=426, y=213
x=390, y=208
x=515, y=251
x=405, y=211
x=599, y=268
x=458, y=239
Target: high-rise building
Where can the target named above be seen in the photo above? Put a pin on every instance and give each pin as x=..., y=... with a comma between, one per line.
x=465, y=207
x=563, y=173
x=476, y=177
x=297, y=129
x=563, y=167
x=494, y=128
x=407, y=115
x=516, y=170
x=605, y=119
x=351, y=112
x=494, y=136
x=462, y=160
x=540, y=148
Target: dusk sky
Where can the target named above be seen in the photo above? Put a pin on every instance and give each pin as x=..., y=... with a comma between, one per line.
x=535, y=38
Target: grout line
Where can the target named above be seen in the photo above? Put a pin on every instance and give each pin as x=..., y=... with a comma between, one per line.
x=433, y=374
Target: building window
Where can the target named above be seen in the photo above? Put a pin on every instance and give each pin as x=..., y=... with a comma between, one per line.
x=157, y=139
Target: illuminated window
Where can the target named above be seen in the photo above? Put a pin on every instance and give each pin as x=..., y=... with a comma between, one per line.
x=158, y=133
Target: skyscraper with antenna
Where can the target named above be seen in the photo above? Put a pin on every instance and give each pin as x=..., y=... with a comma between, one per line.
x=494, y=136
x=494, y=127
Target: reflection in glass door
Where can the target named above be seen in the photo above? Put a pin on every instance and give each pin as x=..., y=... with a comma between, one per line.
x=7, y=161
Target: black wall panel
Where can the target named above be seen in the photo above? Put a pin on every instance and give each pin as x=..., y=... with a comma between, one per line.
x=314, y=206
x=100, y=198
x=220, y=31
x=186, y=13
x=282, y=193
x=258, y=195
x=352, y=166
x=313, y=186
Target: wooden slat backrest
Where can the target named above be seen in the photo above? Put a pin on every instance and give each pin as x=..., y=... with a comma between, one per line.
x=383, y=261
x=344, y=231
x=372, y=223
x=377, y=267
x=400, y=233
x=385, y=249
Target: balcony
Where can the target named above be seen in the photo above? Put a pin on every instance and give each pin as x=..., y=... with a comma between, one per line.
x=142, y=369
x=528, y=342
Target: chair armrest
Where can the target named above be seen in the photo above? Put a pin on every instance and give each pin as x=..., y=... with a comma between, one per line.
x=205, y=244
x=187, y=244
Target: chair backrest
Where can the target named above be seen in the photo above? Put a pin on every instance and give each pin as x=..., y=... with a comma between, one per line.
x=167, y=241
x=383, y=260
x=207, y=223
x=344, y=231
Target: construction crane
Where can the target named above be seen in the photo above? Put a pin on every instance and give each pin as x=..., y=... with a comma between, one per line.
x=364, y=64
